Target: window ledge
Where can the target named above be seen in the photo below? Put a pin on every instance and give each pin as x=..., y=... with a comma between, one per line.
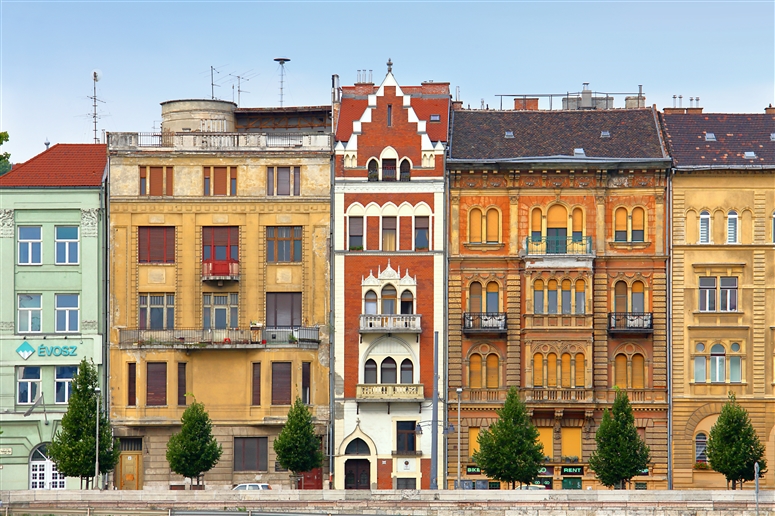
x=616, y=244
x=479, y=246
x=717, y=312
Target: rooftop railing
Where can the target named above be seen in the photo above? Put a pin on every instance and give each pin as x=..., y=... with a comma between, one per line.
x=196, y=141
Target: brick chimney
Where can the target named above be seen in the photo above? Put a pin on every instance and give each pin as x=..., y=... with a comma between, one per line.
x=526, y=104
x=769, y=110
x=457, y=105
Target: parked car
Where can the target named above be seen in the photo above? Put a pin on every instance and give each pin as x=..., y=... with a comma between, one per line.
x=531, y=487
x=252, y=487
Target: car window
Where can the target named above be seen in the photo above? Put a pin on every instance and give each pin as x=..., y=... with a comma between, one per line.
x=253, y=487
x=240, y=487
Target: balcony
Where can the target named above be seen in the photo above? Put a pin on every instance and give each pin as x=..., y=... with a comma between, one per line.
x=557, y=394
x=193, y=338
x=196, y=141
x=220, y=271
x=391, y=323
x=554, y=252
x=484, y=322
x=630, y=322
x=290, y=336
x=390, y=392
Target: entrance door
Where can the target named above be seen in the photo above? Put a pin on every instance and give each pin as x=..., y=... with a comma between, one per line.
x=312, y=479
x=571, y=483
x=43, y=471
x=357, y=474
x=129, y=470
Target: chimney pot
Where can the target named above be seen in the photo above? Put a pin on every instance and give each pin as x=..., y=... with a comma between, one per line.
x=769, y=110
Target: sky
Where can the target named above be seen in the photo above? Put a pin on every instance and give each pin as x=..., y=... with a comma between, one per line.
x=153, y=51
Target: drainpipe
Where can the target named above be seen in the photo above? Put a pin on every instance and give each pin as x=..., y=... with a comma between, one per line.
x=669, y=323
x=331, y=265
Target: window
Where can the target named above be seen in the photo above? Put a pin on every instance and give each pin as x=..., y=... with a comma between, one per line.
x=475, y=226
x=407, y=302
x=283, y=244
x=638, y=224
x=492, y=299
x=250, y=454
x=566, y=296
x=281, y=383
x=156, y=244
x=30, y=313
x=638, y=371
x=535, y=225
x=220, y=180
x=67, y=313
x=620, y=222
x=373, y=168
x=620, y=371
x=485, y=226
x=355, y=230
x=551, y=370
x=156, y=387
x=405, y=436
x=735, y=365
x=370, y=371
x=388, y=373
x=699, y=364
x=406, y=174
x=131, y=396
x=220, y=243
x=580, y=297
x=475, y=297
x=492, y=380
x=370, y=303
x=732, y=227
x=578, y=225
x=28, y=384
x=728, y=300
x=557, y=230
x=552, y=296
x=182, y=384
x=435, y=118
x=283, y=309
x=704, y=227
x=638, y=298
x=538, y=297
x=407, y=371
x=407, y=483
x=156, y=181
x=220, y=311
x=717, y=363
x=66, y=241
x=421, y=239
x=29, y=245
x=157, y=311
x=256, y=390
x=305, y=383
x=388, y=233
x=389, y=115
x=473, y=441
x=538, y=370
x=388, y=170
x=707, y=294
x=700, y=446
x=283, y=180
x=357, y=447
x=475, y=371
x=388, y=299
x=493, y=236
x=63, y=382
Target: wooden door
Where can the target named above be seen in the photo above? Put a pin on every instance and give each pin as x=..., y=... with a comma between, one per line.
x=357, y=474
x=312, y=479
x=129, y=470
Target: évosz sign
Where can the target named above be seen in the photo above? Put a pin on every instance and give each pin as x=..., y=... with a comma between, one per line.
x=26, y=351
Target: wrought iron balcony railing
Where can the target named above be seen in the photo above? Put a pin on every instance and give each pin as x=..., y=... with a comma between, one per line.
x=558, y=245
x=297, y=336
x=391, y=323
x=630, y=322
x=290, y=335
x=484, y=322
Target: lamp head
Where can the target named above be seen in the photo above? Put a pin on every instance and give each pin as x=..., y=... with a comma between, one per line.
x=459, y=390
x=418, y=429
x=97, y=390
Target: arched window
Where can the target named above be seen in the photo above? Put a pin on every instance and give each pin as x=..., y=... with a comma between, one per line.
x=407, y=371
x=388, y=299
x=405, y=170
x=388, y=370
x=735, y=364
x=357, y=447
x=565, y=368
x=580, y=365
x=535, y=225
x=373, y=170
x=475, y=371
x=538, y=370
x=638, y=224
x=620, y=297
x=565, y=297
x=551, y=370
x=492, y=300
x=475, y=226
x=493, y=377
x=557, y=230
x=370, y=371
x=699, y=364
x=700, y=445
x=475, y=297
x=732, y=227
x=407, y=302
x=718, y=363
x=578, y=225
x=552, y=297
x=370, y=302
x=620, y=371
x=620, y=225
x=43, y=471
x=493, y=217
x=638, y=372
x=704, y=227
x=538, y=297
x=638, y=298
x=581, y=297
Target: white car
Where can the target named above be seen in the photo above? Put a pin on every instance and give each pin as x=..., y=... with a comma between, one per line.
x=252, y=487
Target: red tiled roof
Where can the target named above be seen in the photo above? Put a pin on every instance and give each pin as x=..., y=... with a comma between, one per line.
x=64, y=164
x=437, y=131
x=351, y=110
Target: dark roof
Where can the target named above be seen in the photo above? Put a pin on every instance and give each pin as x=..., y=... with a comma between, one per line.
x=734, y=134
x=64, y=164
x=633, y=134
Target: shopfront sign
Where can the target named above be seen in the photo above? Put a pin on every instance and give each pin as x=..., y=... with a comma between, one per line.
x=26, y=350
x=473, y=470
x=572, y=470
x=6, y=451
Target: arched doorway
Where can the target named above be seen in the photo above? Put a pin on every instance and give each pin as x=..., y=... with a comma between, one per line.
x=357, y=472
x=43, y=471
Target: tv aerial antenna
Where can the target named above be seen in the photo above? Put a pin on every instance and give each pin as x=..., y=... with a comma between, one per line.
x=282, y=61
x=96, y=75
x=246, y=77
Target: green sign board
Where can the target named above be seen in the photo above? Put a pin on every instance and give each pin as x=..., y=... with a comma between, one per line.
x=473, y=470
x=571, y=470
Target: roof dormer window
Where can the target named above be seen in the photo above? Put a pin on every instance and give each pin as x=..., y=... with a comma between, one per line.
x=509, y=134
x=605, y=134
x=750, y=155
x=435, y=118
x=710, y=137
x=579, y=153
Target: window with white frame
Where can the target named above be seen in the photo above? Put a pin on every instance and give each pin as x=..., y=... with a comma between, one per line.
x=700, y=448
x=732, y=227
x=64, y=382
x=735, y=364
x=220, y=311
x=700, y=364
x=67, y=317
x=157, y=311
x=704, y=227
x=728, y=300
x=30, y=245
x=718, y=366
x=30, y=313
x=707, y=294
x=27, y=384
x=66, y=238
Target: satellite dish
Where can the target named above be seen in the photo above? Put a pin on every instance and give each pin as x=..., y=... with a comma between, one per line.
x=96, y=74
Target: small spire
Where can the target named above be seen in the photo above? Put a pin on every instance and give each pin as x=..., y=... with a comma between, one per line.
x=390, y=65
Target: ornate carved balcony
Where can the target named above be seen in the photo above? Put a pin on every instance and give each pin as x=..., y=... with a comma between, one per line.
x=484, y=322
x=391, y=323
x=556, y=252
x=630, y=322
x=390, y=392
x=220, y=270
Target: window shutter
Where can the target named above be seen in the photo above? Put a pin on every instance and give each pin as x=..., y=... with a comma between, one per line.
x=475, y=371
x=283, y=181
x=538, y=370
x=257, y=384
x=157, y=244
x=182, y=383
x=620, y=367
x=475, y=297
x=620, y=297
x=262, y=458
x=305, y=382
x=157, y=181
x=557, y=217
x=578, y=221
x=638, y=219
x=475, y=227
x=296, y=181
x=271, y=309
x=492, y=226
x=551, y=365
x=170, y=244
x=638, y=372
x=170, y=173
x=535, y=221
x=621, y=219
x=356, y=226
x=269, y=180
x=132, y=385
x=219, y=180
x=221, y=236
x=580, y=370
x=492, y=371
x=704, y=227
x=142, y=244
x=296, y=309
x=281, y=383
x=565, y=368
x=157, y=383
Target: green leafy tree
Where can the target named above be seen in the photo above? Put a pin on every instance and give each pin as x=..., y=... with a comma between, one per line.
x=509, y=450
x=194, y=450
x=73, y=447
x=733, y=445
x=621, y=453
x=5, y=157
x=297, y=447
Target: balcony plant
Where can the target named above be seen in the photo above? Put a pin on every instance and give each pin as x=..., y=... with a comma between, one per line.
x=356, y=248
x=292, y=339
x=702, y=466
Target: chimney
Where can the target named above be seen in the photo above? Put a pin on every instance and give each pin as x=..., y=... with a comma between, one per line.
x=586, y=97
x=675, y=111
x=769, y=110
x=526, y=104
x=457, y=105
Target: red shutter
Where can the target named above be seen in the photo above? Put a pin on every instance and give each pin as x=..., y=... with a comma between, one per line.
x=281, y=383
x=207, y=236
x=170, y=176
x=182, y=383
x=157, y=181
x=219, y=180
x=131, y=397
x=142, y=244
x=157, y=384
x=221, y=236
x=157, y=245
x=170, y=245
x=256, y=384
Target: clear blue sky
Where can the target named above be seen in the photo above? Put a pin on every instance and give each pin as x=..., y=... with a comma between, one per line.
x=149, y=52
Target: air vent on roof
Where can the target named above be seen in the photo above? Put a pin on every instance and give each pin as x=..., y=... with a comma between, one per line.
x=772, y=137
x=710, y=137
x=509, y=134
x=579, y=152
x=605, y=134
x=750, y=155
x=435, y=118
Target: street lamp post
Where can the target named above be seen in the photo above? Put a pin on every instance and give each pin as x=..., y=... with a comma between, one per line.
x=459, y=391
x=97, y=448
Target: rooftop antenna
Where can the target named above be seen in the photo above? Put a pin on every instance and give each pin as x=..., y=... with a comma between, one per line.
x=240, y=78
x=457, y=93
x=212, y=82
x=96, y=75
x=282, y=61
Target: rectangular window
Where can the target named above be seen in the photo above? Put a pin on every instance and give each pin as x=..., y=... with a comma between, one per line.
x=718, y=368
x=728, y=301
x=156, y=181
x=67, y=313
x=389, y=115
x=256, y=391
x=735, y=369
x=30, y=313
x=283, y=181
x=131, y=385
x=699, y=370
x=388, y=233
x=473, y=440
x=157, y=312
x=355, y=230
x=388, y=170
x=571, y=441
x=405, y=436
x=28, y=384
x=219, y=180
x=29, y=245
x=406, y=483
x=66, y=242
x=250, y=454
x=64, y=381
x=220, y=311
x=538, y=301
x=581, y=298
x=552, y=301
x=305, y=385
x=182, y=383
x=156, y=244
x=421, y=233
x=283, y=244
x=156, y=388
x=220, y=244
x=565, y=301
x=707, y=294
x=283, y=309
x=281, y=383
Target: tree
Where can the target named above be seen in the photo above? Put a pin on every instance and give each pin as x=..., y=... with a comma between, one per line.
x=297, y=447
x=194, y=450
x=73, y=447
x=621, y=453
x=733, y=445
x=5, y=157
x=509, y=450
